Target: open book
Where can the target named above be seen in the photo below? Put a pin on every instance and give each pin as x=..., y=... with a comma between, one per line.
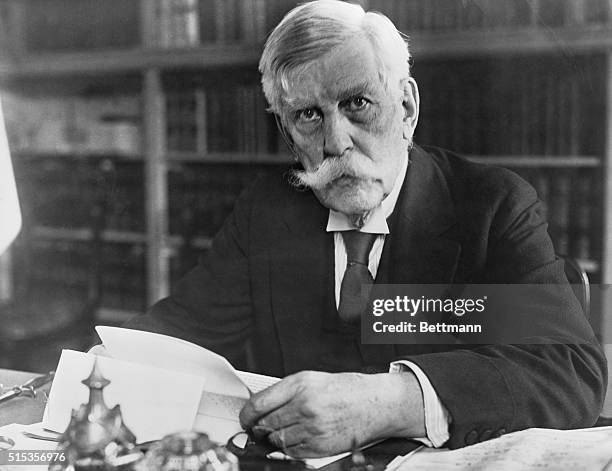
x=163, y=384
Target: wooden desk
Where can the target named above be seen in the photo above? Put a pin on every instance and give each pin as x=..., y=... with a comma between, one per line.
x=21, y=410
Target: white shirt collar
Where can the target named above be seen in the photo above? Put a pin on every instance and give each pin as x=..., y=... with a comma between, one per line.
x=377, y=222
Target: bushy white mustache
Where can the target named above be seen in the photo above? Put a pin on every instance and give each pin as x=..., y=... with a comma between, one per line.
x=333, y=168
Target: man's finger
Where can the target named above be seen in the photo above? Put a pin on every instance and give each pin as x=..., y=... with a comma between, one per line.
x=266, y=401
x=289, y=437
x=283, y=417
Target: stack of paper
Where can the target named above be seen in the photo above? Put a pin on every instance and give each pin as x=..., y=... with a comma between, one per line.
x=163, y=384
x=532, y=449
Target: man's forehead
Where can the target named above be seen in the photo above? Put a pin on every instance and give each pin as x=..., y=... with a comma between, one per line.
x=340, y=74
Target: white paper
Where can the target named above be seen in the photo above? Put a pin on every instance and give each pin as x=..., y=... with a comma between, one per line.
x=256, y=382
x=225, y=389
x=154, y=402
x=313, y=463
x=532, y=449
x=167, y=352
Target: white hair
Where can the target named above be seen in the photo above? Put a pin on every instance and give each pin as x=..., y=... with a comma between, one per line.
x=313, y=29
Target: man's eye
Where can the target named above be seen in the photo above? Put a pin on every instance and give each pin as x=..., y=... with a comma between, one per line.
x=308, y=115
x=358, y=103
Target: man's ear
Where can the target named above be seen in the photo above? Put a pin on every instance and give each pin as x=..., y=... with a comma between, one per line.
x=410, y=103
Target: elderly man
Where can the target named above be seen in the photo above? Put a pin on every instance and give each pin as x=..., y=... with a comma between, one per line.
x=371, y=205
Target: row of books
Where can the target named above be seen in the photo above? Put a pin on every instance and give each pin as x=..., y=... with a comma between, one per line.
x=548, y=105
x=451, y=15
x=87, y=273
x=184, y=23
x=571, y=200
x=61, y=25
x=516, y=106
x=109, y=194
x=75, y=25
x=73, y=123
x=220, y=119
x=71, y=280
x=202, y=119
x=82, y=193
x=202, y=196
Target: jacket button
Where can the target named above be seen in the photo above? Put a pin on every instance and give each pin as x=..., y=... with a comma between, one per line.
x=485, y=435
x=471, y=437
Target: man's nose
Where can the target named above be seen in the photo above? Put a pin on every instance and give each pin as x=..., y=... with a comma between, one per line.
x=336, y=136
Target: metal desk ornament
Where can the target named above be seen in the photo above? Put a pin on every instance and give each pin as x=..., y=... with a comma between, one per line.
x=188, y=451
x=96, y=437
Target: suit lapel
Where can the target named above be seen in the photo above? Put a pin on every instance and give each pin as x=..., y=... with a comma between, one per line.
x=420, y=247
x=301, y=269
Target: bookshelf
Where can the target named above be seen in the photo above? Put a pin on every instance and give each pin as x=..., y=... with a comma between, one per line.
x=186, y=68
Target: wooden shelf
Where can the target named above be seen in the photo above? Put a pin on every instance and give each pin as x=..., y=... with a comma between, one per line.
x=122, y=61
x=110, y=235
x=113, y=316
x=85, y=235
x=547, y=161
x=526, y=40
x=229, y=157
x=201, y=242
x=77, y=154
x=539, y=161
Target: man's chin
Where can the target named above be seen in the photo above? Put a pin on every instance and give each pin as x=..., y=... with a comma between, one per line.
x=350, y=200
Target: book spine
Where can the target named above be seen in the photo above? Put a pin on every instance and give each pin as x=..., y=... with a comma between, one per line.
x=575, y=12
x=549, y=136
x=262, y=123
x=574, y=116
x=259, y=19
x=248, y=32
x=231, y=21
x=201, y=121
x=207, y=14
x=221, y=27
x=560, y=212
x=402, y=16
x=582, y=244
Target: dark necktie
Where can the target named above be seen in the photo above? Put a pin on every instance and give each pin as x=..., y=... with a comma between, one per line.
x=353, y=295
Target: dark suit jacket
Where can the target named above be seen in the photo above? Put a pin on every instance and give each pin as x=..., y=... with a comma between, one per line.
x=269, y=277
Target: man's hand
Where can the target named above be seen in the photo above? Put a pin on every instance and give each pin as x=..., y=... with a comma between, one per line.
x=312, y=414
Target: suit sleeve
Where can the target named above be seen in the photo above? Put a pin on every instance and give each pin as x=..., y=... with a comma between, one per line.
x=211, y=305
x=556, y=382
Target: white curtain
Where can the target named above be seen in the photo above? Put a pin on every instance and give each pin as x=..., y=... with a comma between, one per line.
x=10, y=215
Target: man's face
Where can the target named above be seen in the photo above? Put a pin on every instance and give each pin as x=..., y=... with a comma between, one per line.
x=339, y=112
